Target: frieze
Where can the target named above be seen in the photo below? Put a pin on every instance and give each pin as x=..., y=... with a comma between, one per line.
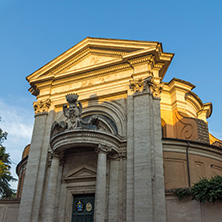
x=102, y=71
x=41, y=106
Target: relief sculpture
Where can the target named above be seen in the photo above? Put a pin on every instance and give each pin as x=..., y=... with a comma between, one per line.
x=73, y=113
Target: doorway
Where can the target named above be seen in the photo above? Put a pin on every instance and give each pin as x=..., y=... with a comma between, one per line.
x=83, y=208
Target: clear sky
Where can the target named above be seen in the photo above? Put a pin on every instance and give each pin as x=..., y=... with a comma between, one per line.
x=32, y=33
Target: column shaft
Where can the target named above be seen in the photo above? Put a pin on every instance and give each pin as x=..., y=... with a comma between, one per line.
x=52, y=189
x=100, y=199
x=113, y=190
x=30, y=182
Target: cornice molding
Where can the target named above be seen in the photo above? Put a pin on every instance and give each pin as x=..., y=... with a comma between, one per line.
x=148, y=58
x=83, y=137
x=196, y=148
x=76, y=58
x=66, y=64
x=158, y=66
x=124, y=49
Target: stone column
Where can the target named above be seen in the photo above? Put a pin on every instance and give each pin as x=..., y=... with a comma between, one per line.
x=38, y=204
x=130, y=159
x=100, y=196
x=144, y=152
x=122, y=188
x=37, y=145
x=113, y=189
x=50, y=210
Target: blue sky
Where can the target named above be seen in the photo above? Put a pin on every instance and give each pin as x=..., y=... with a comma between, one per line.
x=34, y=32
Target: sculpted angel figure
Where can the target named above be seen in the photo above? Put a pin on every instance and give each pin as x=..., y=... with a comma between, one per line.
x=73, y=113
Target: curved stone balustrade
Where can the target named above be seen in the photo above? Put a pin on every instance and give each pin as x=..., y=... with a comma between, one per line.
x=80, y=137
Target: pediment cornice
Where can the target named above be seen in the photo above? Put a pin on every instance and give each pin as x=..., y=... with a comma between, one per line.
x=112, y=55
x=112, y=47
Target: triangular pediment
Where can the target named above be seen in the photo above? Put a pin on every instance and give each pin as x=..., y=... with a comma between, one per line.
x=90, y=59
x=95, y=55
x=82, y=172
x=89, y=53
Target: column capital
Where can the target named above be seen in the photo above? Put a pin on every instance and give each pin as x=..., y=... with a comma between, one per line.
x=101, y=148
x=148, y=85
x=156, y=86
x=52, y=155
x=41, y=106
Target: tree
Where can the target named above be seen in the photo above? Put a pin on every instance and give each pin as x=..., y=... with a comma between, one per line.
x=5, y=166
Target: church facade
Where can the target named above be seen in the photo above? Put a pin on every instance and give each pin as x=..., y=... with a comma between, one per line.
x=111, y=140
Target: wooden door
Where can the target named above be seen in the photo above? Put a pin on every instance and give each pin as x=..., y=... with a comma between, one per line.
x=83, y=208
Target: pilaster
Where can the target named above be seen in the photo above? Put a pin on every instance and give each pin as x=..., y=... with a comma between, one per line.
x=26, y=209
x=130, y=159
x=43, y=165
x=144, y=152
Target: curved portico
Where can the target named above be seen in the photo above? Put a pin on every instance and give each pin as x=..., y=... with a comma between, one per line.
x=81, y=136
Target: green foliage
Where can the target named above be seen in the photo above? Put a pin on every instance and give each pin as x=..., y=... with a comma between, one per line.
x=208, y=190
x=182, y=193
x=5, y=166
x=204, y=190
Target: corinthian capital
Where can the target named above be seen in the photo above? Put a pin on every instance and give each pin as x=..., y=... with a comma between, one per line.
x=103, y=148
x=136, y=85
x=155, y=88
x=41, y=106
x=148, y=84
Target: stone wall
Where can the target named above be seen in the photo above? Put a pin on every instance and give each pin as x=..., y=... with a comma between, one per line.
x=186, y=162
x=188, y=210
x=9, y=210
x=184, y=210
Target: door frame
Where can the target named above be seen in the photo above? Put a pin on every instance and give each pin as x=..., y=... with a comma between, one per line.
x=76, y=190
x=83, y=196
